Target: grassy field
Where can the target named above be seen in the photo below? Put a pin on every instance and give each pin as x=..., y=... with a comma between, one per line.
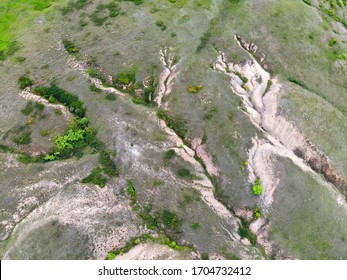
x=15, y=16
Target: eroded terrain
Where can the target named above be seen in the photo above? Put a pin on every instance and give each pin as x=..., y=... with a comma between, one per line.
x=174, y=130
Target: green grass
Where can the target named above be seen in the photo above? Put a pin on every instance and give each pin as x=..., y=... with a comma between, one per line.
x=15, y=16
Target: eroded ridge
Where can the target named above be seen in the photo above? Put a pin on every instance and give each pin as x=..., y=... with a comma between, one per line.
x=261, y=96
x=166, y=78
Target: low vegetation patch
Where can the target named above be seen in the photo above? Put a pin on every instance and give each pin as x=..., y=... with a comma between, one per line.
x=103, y=12
x=245, y=232
x=257, y=189
x=196, y=225
x=23, y=139
x=74, y=6
x=24, y=81
x=169, y=154
x=184, y=173
x=70, y=47
x=178, y=125
x=56, y=94
x=171, y=220
x=160, y=24
x=95, y=177
x=79, y=134
x=194, y=88
x=132, y=192
x=110, y=97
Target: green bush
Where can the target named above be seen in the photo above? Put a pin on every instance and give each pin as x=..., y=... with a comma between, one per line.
x=28, y=109
x=24, y=159
x=99, y=15
x=257, y=189
x=70, y=47
x=171, y=220
x=161, y=24
x=169, y=154
x=184, y=172
x=95, y=177
x=245, y=232
x=243, y=78
x=74, y=5
x=178, y=125
x=308, y=2
x=151, y=221
x=132, y=192
x=195, y=225
x=126, y=77
x=69, y=100
x=194, y=88
x=333, y=42
x=45, y=132
x=110, y=96
x=94, y=88
x=24, y=81
x=109, y=167
x=136, y=2
x=256, y=213
x=204, y=39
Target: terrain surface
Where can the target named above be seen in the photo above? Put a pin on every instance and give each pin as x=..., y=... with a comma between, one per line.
x=173, y=129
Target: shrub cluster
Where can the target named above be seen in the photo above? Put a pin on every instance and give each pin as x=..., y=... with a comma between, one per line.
x=179, y=126
x=74, y=5
x=24, y=81
x=56, y=94
x=194, y=88
x=95, y=177
x=70, y=47
x=171, y=220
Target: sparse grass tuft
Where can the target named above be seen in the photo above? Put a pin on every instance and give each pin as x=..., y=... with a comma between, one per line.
x=194, y=88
